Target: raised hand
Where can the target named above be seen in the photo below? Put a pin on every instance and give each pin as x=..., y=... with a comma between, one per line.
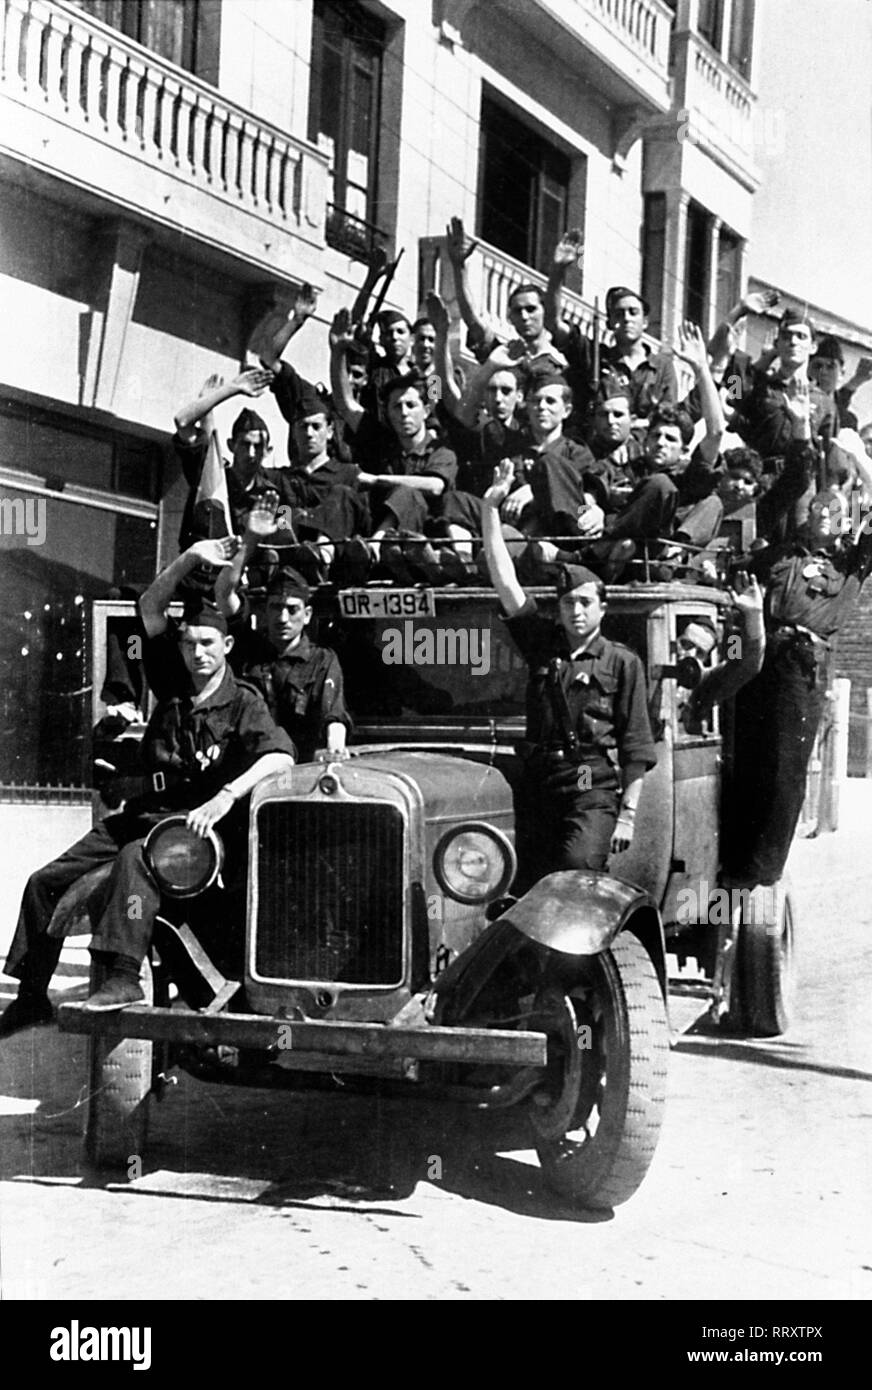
x=253, y=381
x=341, y=329
x=746, y=593
x=217, y=553
x=759, y=301
x=863, y=370
x=691, y=346
x=798, y=400
x=437, y=312
x=261, y=519
x=503, y=480
x=455, y=242
x=305, y=303
x=570, y=248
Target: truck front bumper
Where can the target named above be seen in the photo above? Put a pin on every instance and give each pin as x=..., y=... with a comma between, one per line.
x=288, y=1037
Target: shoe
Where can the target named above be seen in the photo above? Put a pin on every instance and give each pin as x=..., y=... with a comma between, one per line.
x=27, y=1011
x=116, y=993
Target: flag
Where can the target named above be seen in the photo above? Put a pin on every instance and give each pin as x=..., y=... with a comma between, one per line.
x=211, y=503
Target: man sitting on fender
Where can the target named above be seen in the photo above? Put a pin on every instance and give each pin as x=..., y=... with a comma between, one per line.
x=206, y=747
x=587, y=715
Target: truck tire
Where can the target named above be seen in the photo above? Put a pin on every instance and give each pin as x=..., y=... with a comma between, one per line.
x=120, y=1082
x=764, y=990
x=598, y=1117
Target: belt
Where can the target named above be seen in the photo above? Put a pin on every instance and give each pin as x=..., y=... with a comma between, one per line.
x=558, y=750
x=795, y=631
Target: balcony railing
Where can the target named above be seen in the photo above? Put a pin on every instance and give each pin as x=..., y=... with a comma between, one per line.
x=643, y=24
x=719, y=103
x=492, y=277
x=79, y=76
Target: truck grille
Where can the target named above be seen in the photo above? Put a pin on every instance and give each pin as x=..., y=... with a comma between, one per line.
x=330, y=892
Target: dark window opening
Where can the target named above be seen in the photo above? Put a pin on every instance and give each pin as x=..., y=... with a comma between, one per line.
x=524, y=188
x=711, y=21
x=696, y=266
x=344, y=116
x=742, y=37
x=729, y=273
x=56, y=556
x=178, y=30
x=653, y=258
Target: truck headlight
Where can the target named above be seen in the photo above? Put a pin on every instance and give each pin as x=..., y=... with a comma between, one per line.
x=183, y=863
x=474, y=863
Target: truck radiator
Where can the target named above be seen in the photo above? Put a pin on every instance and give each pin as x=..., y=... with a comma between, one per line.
x=330, y=892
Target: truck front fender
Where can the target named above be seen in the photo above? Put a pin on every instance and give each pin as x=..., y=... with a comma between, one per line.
x=579, y=913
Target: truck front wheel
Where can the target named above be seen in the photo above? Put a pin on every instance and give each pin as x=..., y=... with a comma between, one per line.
x=597, y=1117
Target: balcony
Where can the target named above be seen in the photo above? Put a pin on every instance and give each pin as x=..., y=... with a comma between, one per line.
x=621, y=47
x=715, y=106
x=129, y=131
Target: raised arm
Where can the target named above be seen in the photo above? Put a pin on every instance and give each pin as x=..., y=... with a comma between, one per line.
x=304, y=307
x=499, y=561
x=251, y=382
x=569, y=251
x=438, y=316
x=692, y=349
x=458, y=254
x=341, y=336
x=260, y=525
x=158, y=596
x=722, y=342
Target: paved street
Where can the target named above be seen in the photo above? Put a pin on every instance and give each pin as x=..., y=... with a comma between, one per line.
x=759, y=1188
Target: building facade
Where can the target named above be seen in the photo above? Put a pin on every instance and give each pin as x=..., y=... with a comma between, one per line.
x=171, y=170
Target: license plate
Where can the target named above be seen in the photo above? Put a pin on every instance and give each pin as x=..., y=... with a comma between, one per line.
x=387, y=603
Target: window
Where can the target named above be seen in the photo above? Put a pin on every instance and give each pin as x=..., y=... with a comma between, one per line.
x=711, y=21
x=654, y=258
x=696, y=266
x=344, y=114
x=742, y=37
x=67, y=536
x=524, y=188
x=729, y=277
x=182, y=31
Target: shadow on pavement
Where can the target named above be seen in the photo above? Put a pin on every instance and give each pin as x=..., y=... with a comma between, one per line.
x=762, y=1053
x=347, y=1150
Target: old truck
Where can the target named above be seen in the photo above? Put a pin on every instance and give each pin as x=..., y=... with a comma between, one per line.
x=379, y=938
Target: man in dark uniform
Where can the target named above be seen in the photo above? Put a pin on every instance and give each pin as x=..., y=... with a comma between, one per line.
x=301, y=682
x=811, y=586
x=205, y=748
x=589, y=740
x=247, y=476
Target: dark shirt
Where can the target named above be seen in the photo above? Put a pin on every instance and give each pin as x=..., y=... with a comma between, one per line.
x=212, y=743
x=623, y=467
x=431, y=459
x=605, y=691
x=240, y=498
x=288, y=388
x=479, y=449
x=560, y=474
x=652, y=382
x=813, y=589
x=764, y=422
x=302, y=688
